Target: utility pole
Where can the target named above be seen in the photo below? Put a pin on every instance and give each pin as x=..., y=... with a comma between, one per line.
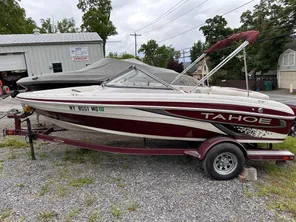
x=135, y=34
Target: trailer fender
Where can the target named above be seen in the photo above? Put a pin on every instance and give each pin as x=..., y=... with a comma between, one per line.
x=210, y=143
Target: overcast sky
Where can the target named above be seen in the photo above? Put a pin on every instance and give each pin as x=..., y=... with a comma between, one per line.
x=131, y=15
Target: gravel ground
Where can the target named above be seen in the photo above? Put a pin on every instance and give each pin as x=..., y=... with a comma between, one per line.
x=117, y=187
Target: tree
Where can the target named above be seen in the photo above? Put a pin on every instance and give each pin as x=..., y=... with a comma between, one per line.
x=274, y=19
x=216, y=29
x=67, y=25
x=157, y=55
x=47, y=26
x=196, y=50
x=122, y=56
x=96, y=18
x=13, y=19
x=176, y=66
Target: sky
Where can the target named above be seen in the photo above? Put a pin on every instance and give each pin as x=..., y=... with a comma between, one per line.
x=131, y=16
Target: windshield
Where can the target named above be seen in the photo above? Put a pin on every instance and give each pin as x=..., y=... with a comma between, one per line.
x=136, y=78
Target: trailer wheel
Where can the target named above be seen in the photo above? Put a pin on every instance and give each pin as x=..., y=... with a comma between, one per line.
x=224, y=161
x=5, y=90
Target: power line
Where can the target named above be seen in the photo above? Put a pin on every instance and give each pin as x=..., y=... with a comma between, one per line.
x=205, y=23
x=176, y=6
x=177, y=17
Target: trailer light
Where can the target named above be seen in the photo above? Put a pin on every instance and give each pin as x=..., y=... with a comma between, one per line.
x=10, y=132
x=286, y=158
x=27, y=109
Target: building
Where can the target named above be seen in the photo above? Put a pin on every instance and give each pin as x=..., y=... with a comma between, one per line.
x=197, y=71
x=286, y=72
x=24, y=55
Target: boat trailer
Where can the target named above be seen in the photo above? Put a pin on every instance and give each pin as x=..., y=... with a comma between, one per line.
x=248, y=151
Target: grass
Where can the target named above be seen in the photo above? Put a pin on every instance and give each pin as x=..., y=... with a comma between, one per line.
x=42, y=156
x=115, y=211
x=5, y=215
x=44, y=188
x=1, y=166
x=47, y=215
x=119, y=183
x=21, y=219
x=280, y=182
x=90, y=200
x=13, y=142
x=72, y=214
x=248, y=193
x=20, y=185
x=11, y=155
x=133, y=207
x=61, y=191
x=95, y=216
x=80, y=182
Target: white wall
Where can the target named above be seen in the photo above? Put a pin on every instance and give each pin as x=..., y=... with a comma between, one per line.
x=39, y=58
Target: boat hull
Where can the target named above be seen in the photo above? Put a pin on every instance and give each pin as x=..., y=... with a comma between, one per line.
x=164, y=116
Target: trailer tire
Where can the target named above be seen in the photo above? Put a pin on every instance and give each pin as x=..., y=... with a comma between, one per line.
x=224, y=161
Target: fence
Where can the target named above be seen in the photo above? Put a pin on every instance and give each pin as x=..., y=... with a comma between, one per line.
x=241, y=84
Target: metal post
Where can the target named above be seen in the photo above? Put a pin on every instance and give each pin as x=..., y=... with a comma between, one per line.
x=135, y=34
x=246, y=71
x=189, y=67
x=30, y=136
x=221, y=64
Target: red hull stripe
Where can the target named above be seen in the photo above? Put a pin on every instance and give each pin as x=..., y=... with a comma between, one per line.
x=172, y=104
x=137, y=127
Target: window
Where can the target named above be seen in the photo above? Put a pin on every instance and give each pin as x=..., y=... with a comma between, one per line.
x=289, y=59
x=57, y=67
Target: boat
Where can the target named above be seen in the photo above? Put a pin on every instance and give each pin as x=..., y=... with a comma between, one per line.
x=226, y=121
x=96, y=74
x=138, y=103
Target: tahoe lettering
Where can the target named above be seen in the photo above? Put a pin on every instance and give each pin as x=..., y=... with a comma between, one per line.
x=233, y=117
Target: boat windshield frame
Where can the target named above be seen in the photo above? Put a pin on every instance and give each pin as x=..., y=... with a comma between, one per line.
x=155, y=78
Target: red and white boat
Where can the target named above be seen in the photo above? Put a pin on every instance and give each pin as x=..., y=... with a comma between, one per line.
x=227, y=121
x=137, y=103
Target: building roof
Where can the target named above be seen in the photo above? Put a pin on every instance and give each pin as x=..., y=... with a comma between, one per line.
x=40, y=39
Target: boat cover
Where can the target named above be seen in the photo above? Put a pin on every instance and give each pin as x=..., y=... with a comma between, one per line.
x=104, y=69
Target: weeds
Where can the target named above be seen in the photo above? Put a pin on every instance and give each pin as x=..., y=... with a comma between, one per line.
x=80, y=182
x=72, y=214
x=61, y=191
x=1, y=166
x=115, y=211
x=94, y=216
x=90, y=200
x=5, y=215
x=13, y=142
x=20, y=185
x=47, y=215
x=280, y=185
x=44, y=188
x=133, y=207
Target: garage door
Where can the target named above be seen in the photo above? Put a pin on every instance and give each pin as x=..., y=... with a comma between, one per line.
x=12, y=62
x=287, y=78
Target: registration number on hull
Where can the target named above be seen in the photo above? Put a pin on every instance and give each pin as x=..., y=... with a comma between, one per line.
x=87, y=108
